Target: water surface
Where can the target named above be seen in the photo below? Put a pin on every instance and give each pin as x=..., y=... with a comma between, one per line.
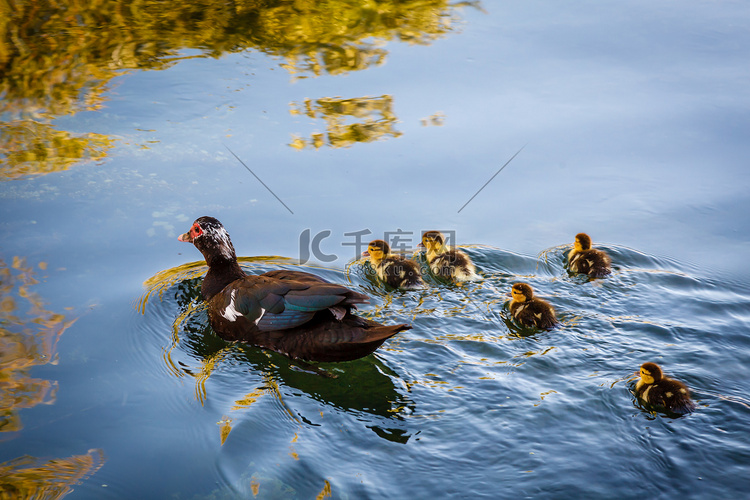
x=119, y=126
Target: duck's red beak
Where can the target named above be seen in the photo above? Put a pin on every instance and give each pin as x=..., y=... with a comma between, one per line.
x=365, y=254
x=185, y=237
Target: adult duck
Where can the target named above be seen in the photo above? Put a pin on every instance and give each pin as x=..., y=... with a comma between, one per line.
x=292, y=312
x=448, y=263
x=586, y=260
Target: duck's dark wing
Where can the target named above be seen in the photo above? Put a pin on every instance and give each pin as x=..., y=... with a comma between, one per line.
x=285, y=274
x=324, y=339
x=279, y=304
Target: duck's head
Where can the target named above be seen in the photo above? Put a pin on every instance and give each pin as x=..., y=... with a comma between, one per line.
x=521, y=292
x=209, y=236
x=650, y=373
x=377, y=250
x=582, y=242
x=433, y=241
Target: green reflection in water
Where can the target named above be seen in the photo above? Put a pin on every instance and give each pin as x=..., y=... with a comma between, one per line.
x=375, y=115
x=27, y=338
x=29, y=477
x=58, y=58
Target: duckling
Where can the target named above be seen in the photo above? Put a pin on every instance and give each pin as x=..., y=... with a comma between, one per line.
x=450, y=263
x=586, y=260
x=392, y=269
x=656, y=389
x=529, y=310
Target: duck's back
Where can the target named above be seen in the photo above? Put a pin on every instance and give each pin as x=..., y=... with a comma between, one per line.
x=593, y=262
x=399, y=272
x=536, y=312
x=453, y=264
x=670, y=394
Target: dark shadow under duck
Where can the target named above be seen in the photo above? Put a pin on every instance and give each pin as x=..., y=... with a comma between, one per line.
x=586, y=260
x=656, y=389
x=530, y=310
x=393, y=270
x=292, y=312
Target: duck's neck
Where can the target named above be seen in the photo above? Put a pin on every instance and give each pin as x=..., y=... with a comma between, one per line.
x=221, y=272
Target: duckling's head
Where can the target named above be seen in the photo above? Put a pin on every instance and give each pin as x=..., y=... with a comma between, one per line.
x=521, y=292
x=433, y=241
x=650, y=373
x=377, y=250
x=583, y=242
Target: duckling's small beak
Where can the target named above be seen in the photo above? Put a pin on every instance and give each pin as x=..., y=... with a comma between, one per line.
x=185, y=237
x=365, y=254
x=420, y=245
x=637, y=374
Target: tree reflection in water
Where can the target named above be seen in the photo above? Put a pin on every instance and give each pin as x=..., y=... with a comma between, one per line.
x=29, y=477
x=59, y=58
x=27, y=338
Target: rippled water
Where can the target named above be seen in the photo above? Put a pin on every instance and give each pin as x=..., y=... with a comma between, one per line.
x=468, y=403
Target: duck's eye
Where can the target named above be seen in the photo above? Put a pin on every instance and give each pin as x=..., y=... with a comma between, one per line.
x=196, y=231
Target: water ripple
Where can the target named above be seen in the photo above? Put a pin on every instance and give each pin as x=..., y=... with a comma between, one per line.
x=541, y=407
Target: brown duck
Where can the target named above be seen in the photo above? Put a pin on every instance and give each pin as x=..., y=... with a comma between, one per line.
x=292, y=312
x=656, y=389
x=530, y=310
x=586, y=260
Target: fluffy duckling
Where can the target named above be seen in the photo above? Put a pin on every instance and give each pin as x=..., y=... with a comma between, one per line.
x=529, y=310
x=450, y=263
x=656, y=389
x=392, y=269
x=586, y=260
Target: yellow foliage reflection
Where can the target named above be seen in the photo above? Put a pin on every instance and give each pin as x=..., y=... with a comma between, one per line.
x=375, y=115
x=58, y=57
x=33, y=148
x=28, y=477
x=27, y=338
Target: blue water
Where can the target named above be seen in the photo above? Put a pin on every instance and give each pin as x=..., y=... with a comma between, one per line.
x=631, y=121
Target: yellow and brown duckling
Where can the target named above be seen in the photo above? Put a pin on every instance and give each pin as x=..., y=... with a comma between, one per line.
x=586, y=260
x=530, y=310
x=393, y=269
x=656, y=389
x=449, y=263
